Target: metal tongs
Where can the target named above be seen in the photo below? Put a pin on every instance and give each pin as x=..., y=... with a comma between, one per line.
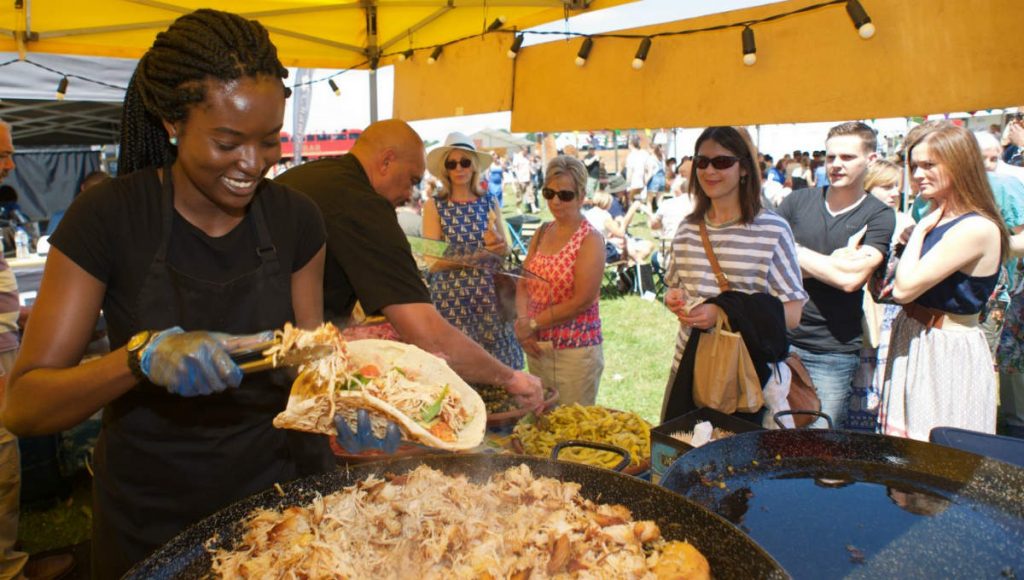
x=247, y=352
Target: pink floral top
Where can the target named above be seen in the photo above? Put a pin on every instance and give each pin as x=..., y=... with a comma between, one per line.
x=557, y=279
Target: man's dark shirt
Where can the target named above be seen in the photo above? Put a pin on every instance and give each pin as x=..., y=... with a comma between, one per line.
x=368, y=256
x=831, y=319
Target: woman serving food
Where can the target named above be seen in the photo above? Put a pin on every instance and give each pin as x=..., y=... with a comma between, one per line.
x=189, y=236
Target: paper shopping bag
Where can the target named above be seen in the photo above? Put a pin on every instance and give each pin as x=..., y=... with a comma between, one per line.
x=724, y=377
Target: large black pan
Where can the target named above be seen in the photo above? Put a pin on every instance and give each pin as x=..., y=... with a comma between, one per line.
x=730, y=552
x=830, y=504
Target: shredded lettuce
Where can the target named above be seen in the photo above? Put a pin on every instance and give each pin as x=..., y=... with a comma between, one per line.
x=431, y=411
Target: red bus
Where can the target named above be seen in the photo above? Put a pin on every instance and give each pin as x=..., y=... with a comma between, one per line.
x=321, y=144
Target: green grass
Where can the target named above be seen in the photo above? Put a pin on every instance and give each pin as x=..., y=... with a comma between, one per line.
x=66, y=524
x=639, y=340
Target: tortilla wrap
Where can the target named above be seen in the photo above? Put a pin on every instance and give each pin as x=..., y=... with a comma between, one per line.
x=309, y=404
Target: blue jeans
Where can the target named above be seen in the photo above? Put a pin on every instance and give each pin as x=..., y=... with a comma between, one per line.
x=832, y=373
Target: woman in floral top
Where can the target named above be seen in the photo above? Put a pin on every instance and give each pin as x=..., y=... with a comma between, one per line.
x=558, y=321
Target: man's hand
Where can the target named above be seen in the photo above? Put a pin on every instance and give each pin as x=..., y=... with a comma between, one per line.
x=527, y=390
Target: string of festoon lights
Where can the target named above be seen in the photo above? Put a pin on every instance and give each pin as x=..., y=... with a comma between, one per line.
x=858, y=16
x=62, y=85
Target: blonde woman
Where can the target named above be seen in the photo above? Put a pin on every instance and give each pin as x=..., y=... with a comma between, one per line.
x=559, y=322
x=469, y=219
x=939, y=370
x=884, y=180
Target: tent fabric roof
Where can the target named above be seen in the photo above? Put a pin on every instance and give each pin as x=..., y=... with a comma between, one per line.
x=54, y=123
x=928, y=56
x=498, y=139
x=92, y=118
x=308, y=33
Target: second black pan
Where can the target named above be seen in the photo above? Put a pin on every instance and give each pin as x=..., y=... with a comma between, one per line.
x=836, y=504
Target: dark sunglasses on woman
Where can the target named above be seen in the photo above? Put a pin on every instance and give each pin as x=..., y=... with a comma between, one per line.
x=564, y=194
x=465, y=162
x=720, y=162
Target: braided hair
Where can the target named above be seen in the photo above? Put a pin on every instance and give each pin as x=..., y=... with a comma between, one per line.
x=169, y=78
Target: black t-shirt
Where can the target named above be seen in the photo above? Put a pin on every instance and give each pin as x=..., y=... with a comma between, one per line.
x=114, y=229
x=831, y=320
x=368, y=257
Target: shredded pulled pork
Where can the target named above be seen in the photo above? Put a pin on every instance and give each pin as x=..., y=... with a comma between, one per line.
x=412, y=395
x=427, y=525
x=332, y=370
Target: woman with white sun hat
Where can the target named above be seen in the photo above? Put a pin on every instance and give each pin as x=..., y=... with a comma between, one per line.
x=469, y=219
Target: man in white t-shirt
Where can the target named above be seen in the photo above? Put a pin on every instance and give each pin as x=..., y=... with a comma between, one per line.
x=638, y=170
x=522, y=171
x=671, y=213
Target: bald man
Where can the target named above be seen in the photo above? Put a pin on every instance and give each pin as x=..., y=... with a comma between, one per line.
x=369, y=258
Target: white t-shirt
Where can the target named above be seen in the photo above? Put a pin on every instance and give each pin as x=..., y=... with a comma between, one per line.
x=598, y=218
x=636, y=167
x=521, y=168
x=672, y=212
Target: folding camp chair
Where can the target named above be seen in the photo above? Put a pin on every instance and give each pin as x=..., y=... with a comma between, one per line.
x=626, y=276
x=521, y=229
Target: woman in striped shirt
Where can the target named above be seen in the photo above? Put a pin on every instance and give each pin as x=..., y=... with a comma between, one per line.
x=754, y=246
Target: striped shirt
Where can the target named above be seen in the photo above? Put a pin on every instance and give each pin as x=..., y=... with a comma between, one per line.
x=9, y=308
x=756, y=257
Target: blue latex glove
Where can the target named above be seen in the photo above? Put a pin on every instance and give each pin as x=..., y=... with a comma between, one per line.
x=189, y=363
x=363, y=439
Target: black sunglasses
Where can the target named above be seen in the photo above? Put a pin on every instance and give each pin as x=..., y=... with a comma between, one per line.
x=465, y=162
x=563, y=194
x=720, y=162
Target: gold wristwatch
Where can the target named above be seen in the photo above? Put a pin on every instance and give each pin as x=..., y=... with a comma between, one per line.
x=135, y=345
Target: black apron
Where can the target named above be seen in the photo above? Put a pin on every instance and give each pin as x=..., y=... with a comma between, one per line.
x=163, y=462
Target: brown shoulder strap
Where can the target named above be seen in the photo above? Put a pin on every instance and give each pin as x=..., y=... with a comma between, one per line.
x=723, y=282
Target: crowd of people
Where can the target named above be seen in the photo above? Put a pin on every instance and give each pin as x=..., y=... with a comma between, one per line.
x=809, y=232
x=191, y=240
x=830, y=220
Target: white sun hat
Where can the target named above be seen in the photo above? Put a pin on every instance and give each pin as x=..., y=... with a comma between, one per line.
x=456, y=140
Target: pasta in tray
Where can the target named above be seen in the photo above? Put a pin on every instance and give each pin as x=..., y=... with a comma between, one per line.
x=428, y=525
x=392, y=380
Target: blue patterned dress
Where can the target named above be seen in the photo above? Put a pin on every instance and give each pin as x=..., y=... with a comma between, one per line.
x=465, y=296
